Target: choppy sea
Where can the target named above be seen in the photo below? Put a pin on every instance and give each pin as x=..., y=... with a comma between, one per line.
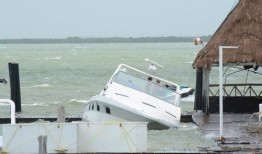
x=53, y=75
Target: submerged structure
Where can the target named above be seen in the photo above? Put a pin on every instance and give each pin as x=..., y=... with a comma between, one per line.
x=242, y=28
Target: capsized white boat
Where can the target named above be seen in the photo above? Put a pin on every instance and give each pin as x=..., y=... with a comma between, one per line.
x=134, y=95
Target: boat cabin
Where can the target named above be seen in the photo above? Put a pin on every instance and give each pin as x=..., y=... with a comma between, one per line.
x=145, y=83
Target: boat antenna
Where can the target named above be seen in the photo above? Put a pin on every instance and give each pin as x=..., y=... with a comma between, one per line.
x=152, y=66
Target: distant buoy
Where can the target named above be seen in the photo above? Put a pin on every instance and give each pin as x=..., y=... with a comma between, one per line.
x=198, y=41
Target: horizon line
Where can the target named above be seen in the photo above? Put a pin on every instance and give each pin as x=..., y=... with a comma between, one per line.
x=124, y=37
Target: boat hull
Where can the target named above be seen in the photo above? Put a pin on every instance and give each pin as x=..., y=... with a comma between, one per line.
x=110, y=110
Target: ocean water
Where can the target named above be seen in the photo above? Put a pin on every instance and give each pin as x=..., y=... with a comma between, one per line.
x=69, y=74
x=53, y=75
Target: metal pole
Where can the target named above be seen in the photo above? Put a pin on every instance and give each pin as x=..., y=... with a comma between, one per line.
x=221, y=91
x=12, y=104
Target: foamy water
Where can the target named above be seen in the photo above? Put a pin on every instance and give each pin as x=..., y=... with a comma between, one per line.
x=79, y=101
x=40, y=86
x=53, y=58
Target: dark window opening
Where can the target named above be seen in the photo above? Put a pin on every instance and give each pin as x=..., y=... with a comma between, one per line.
x=92, y=106
x=98, y=108
x=108, y=110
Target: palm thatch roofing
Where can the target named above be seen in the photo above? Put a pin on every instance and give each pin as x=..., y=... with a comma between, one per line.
x=242, y=27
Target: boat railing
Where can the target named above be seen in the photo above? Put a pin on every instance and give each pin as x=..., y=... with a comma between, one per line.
x=124, y=67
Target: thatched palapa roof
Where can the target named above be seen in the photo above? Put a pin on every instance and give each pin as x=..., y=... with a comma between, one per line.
x=242, y=27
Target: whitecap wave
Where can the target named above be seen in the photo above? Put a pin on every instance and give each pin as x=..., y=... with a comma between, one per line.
x=41, y=86
x=52, y=58
x=36, y=104
x=189, y=62
x=55, y=102
x=79, y=101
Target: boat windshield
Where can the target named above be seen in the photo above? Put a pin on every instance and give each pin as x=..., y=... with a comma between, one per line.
x=132, y=82
x=162, y=92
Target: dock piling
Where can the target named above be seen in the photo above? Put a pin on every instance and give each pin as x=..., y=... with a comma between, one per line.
x=15, y=85
x=61, y=114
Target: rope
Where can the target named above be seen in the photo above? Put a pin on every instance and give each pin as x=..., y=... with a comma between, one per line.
x=47, y=132
x=239, y=70
x=32, y=139
x=60, y=134
x=94, y=137
x=126, y=135
x=58, y=140
x=65, y=148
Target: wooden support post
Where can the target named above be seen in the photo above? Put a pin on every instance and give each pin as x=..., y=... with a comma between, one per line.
x=205, y=91
x=42, y=140
x=15, y=85
x=198, y=91
x=61, y=114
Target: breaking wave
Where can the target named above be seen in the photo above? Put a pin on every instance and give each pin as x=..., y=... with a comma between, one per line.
x=36, y=104
x=52, y=58
x=55, y=102
x=41, y=86
x=78, y=101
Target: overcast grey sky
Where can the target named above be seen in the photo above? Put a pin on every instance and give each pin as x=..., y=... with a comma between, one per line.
x=110, y=18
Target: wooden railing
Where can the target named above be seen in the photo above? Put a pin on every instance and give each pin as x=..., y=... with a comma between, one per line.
x=237, y=90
